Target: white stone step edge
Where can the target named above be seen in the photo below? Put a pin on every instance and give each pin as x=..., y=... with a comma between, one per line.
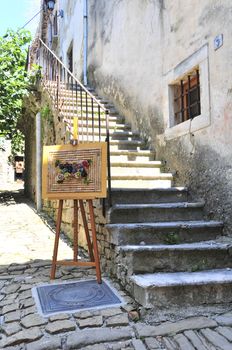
x=205, y=245
x=142, y=184
x=133, y=152
x=131, y=164
x=170, y=279
x=169, y=224
x=126, y=133
x=157, y=189
x=112, y=125
x=126, y=142
x=112, y=115
x=174, y=205
x=161, y=176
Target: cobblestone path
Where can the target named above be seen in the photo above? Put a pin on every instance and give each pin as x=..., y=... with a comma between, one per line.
x=25, y=252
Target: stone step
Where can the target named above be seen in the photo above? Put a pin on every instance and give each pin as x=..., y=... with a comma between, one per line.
x=70, y=94
x=161, y=176
x=164, y=290
x=151, y=164
x=136, y=213
x=125, y=145
x=158, y=195
x=114, y=135
x=164, y=232
x=141, y=182
x=135, y=168
x=130, y=135
x=68, y=101
x=95, y=137
x=115, y=145
x=94, y=112
x=65, y=92
x=68, y=86
x=113, y=125
x=118, y=128
x=112, y=116
x=195, y=256
x=128, y=155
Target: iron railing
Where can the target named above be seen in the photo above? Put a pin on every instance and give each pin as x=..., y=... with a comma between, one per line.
x=71, y=98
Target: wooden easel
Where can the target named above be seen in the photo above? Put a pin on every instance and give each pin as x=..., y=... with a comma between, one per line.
x=92, y=246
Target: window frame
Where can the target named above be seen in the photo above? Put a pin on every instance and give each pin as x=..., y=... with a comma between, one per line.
x=198, y=60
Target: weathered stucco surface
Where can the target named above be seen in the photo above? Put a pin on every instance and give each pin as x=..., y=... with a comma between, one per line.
x=125, y=58
x=203, y=158
x=133, y=46
x=70, y=34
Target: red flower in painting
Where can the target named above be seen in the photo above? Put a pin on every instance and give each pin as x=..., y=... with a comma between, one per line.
x=85, y=163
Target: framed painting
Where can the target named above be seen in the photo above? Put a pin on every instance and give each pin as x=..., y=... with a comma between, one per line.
x=74, y=172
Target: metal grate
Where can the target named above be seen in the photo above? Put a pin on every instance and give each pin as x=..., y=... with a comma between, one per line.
x=187, y=103
x=74, y=296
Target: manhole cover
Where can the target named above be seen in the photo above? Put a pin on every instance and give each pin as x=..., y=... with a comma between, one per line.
x=74, y=296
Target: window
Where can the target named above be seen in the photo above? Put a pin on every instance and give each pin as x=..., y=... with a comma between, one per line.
x=187, y=104
x=186, y=100
x=55, y=32
x=55, y=25
x=70, y=58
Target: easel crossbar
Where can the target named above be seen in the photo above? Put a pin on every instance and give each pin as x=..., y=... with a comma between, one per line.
x=75, y=263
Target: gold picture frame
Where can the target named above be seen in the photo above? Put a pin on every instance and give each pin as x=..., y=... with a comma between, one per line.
x=74, y=172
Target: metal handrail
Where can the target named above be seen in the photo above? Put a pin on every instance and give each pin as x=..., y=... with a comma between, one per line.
x=73, y=76
x=71, y=98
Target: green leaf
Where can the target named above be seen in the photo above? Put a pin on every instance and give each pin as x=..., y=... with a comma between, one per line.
x=13, y=83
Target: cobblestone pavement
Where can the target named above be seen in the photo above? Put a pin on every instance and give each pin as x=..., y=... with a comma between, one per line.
x=26, y=247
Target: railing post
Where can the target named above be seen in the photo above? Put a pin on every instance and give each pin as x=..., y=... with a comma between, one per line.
x=57, y=86
x=108, y=157
x=38, y=163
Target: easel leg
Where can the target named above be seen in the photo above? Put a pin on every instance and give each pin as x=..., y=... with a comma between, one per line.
x=90, y=248
x=75, y=230
x=56, y=243
x=94, y=237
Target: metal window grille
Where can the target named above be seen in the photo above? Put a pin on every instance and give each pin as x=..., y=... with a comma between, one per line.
x=187, y=102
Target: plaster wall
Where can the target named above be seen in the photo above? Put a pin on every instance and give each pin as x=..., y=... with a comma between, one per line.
x=136, y=48
x=202, y=156
x=125, y=58
x=70, y=33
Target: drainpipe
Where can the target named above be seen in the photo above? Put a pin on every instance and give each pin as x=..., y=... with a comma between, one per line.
x=38, y=163
x=85, y=30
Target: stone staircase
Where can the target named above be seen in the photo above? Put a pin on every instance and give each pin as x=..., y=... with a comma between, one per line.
x=132, y=165
x=168, y=253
